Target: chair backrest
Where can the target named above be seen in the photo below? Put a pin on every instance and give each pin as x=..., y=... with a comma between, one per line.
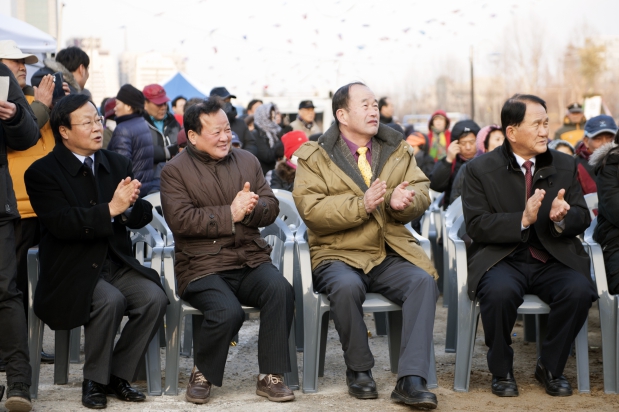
x=154, y=199
x=305, y=262
x=161, y=226
x=287, y=209
x=592, y=203
x=453, y=211
x=147, y=236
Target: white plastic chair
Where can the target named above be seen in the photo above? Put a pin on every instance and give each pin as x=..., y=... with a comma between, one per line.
x=468, y=316
x=592, y=203
x=63, y=337
x=609, y=306
x=450, y=292
x=282, y=256
x=315, y=311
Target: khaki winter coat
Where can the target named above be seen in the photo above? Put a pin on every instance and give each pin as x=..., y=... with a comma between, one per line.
x=329, y=191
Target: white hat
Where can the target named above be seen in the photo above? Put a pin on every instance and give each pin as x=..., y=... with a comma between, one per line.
x=9, y=50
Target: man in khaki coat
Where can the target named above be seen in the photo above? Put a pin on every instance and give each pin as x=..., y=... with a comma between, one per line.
x=355, y=189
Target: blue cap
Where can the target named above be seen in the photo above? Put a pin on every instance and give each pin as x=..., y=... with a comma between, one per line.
x=600, y=124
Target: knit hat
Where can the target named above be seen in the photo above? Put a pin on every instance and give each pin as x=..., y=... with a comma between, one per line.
x=131, y=96
x=292, y=141
x=554, y=144
x=462, y=128
x=416, y=139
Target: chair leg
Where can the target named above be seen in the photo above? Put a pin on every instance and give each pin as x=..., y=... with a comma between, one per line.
x=74, y=350
x=162, y=341
x=432, y=379
x=311, y=345
x=467, y=328
x=187, y=337
x=582, y=359
x=451, y=335
x=172, y=353
x=380, y=321
x=292, y=378
x=61, y=362
x=541, y=326
x=35, y=343
x=323, y=343
x=298, y=302
x=153, y=367
x=394, y=330
x=529, y=326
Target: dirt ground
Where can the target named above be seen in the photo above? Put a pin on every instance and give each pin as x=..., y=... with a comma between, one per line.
x=238, y=391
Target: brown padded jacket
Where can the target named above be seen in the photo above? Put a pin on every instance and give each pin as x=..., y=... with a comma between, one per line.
x=196, y=194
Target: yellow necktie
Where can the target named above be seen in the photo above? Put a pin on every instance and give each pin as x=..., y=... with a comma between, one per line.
x=364, y=165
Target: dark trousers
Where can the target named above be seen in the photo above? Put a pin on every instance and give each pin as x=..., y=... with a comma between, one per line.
x=399, y=281
x=13, y=327
x=220, y=296
x=121, y=292
x=27, y=235
x=500, y=292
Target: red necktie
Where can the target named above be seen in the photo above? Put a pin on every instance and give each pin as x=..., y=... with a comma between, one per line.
x=540, y=255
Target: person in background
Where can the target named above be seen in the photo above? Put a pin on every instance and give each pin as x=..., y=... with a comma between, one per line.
x=238, y=125
x=386, y=110
x=397, y=128
x=270, y=147
x=461, y=149
x=285, y=170
x=109, y=120
x=599, y=130
x=18, y=131
x=236, y=142
x=605, y=163
x=574, y=121
x=249, y=121
x=132, y=137
x=439, y=136
x=305, y=119
x=488, y=139
x=27, y=228
x=419, y=143
x=178, y=108
x=164, y=127
x=251, y=108
x=72, y=62
x=562, y=146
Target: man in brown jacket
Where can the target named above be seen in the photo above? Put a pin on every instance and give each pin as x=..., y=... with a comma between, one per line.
x=214, y=200
x=353, y=191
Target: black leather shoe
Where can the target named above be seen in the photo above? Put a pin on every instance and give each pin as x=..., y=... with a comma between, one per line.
x=412, y=390
x=123, y=390
x=555, y=386
x=504, y=386
x=47, y=358
x=93, y=395
x=18, y=398
x=361, y=385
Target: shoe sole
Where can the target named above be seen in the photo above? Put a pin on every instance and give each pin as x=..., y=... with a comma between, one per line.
x=17, y=404
x=273, y=399
x=560, y=394
x=368, y=395
x=419, y=404
x=511, y=394
x=196, y=400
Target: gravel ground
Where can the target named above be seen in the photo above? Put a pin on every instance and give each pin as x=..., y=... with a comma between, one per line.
x=238, y=391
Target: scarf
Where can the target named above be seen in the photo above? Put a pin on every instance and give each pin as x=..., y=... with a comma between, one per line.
x=262, y=119
x=439, y=144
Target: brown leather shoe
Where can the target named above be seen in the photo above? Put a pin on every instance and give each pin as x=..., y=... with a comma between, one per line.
x=273, y=388
x=199, y=389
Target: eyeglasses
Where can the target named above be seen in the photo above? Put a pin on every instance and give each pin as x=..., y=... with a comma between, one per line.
x=89, y=125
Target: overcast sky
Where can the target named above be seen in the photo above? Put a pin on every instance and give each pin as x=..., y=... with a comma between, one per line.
x=317, y=45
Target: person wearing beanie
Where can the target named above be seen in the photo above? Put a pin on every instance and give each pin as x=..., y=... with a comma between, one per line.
x=461, y=149
x=133, y=139
x=285, y=170
x=562, y=146
x=488, y=139
x=599, y=130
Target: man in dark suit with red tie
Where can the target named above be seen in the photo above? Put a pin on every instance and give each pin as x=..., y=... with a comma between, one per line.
x=523, y=208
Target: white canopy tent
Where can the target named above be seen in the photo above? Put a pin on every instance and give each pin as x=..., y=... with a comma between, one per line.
x=28, y=38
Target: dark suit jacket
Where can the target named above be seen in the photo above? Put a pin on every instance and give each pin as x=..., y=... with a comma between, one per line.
x=77, y=231
x=494, y=198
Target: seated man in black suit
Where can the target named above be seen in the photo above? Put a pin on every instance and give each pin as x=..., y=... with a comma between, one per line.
x=523, y=208
x=83, y=197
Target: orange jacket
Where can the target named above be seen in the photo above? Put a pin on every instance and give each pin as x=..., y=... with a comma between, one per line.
x=19, y=161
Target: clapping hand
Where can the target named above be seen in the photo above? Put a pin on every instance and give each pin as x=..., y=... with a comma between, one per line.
x=559, y=207
x=401, y=197
x=244, y=203
x=375, y=195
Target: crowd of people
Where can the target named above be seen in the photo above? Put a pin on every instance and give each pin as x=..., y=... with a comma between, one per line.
x=73, y=177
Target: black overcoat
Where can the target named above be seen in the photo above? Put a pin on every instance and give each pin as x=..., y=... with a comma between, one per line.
x=494, y=198
x=77, y=231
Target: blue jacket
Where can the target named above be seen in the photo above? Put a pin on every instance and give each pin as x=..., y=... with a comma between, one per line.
x=132, y=139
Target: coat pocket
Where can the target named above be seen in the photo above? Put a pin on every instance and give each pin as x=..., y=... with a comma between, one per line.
x=200, y=251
